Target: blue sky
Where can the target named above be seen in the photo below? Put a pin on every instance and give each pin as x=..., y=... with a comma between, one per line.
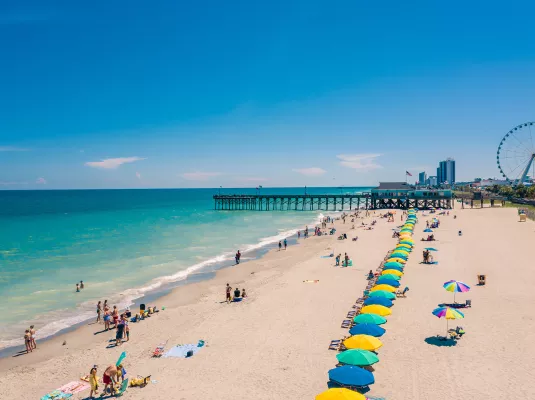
x=241, y=93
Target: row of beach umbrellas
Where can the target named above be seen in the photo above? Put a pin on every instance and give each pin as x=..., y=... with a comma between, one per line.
x=364, y=341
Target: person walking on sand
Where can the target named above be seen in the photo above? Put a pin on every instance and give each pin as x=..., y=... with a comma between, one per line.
x=285, y=244
x=229, y=291
x=338, y=260
x=237, y=257
x=99, y=311
x=32, y=337
x=280, y=245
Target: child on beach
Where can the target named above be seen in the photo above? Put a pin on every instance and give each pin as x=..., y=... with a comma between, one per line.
x=285, y=244
x=93, y=381
x=243, y=294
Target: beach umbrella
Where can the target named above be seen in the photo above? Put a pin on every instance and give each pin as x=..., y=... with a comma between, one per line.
x=367, y=329
x=400, y=269
x=358, y=356
x=386, y=288
x=392, y=271
x=349, y=375
x=386, y=281
x=404, y=246
x=382, y=294
x=377, y=301
x=396, y=259
x=409, y=242
x=376, y=309
x=340, y=394
x=369, y=319
x=399, y=252
x=390, y=276
x=364, y=342
x=393, y=264
x=399, y=255
x=405, y=231
x=448, y=313
x=428, y=230
x=431, y=249
x=456, y=286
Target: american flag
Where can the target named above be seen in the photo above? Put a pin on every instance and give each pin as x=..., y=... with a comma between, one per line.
x=408, y=173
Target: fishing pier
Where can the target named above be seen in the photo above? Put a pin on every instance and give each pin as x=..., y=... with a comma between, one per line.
x=386, y=196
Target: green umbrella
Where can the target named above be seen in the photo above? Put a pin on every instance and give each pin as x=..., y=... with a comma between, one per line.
x=369, y=319
x=383, y=294
x=357, y=357
x=390, y=276
x=393, y=264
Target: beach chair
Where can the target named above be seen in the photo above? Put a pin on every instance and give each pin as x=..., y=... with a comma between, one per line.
x=351, y=314
x=346, y=324
x=158, y=351
x=403, y=293
x=468, y=303
x=335, y=345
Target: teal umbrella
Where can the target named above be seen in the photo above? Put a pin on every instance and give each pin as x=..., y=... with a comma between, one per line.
x=389, y=276
x=390, y=264
x=357, y=357
x=383, y=294
x=369, y=319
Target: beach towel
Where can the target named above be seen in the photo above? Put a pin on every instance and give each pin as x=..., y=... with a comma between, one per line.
x=181, y=351
x=74, y=387
x=56, y=395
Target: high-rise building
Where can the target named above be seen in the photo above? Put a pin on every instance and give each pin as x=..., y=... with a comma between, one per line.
x=446, y=171
x=422, y=178
x=432, y=181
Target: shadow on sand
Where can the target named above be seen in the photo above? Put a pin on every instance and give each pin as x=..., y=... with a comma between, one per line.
x=441, y=341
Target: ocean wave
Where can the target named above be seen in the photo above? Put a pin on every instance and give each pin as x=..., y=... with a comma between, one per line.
x=54, y=322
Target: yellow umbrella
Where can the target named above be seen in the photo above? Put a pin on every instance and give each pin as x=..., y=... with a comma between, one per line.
x=403, y=252
x=405, y=236
x=364, y=342
x=376, y=309
x=399, y=260
x=388, y=288
x=393, y=272
x=340, y=394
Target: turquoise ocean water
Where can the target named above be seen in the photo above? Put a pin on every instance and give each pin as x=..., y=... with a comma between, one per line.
x=123, y=244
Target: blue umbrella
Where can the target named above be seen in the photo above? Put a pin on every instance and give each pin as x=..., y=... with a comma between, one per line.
x=428, y=230
x=367, y=329
x=386, y=281
x=431, y=249
x=349, y=375
x=378, y=300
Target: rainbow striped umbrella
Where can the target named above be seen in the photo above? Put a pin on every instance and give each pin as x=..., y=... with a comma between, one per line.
x=456, y=286
x=448, y=313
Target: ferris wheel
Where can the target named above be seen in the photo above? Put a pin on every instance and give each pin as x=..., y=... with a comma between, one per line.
x=516, y=153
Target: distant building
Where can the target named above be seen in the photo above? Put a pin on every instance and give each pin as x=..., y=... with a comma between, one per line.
x=491, y=182
x=446, y=171
x=432, y=181
x=422, y=178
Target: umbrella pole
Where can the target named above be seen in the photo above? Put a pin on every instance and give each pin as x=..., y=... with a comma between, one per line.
x=454, y=293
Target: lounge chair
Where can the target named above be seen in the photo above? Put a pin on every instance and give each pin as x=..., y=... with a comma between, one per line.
x=400, y=293
x=158, y=351
x=338, y=345
x=351, y=314
x=346, y=324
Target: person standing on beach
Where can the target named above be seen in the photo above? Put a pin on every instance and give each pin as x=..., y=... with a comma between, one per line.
x=346, y=257
x=32, y=337
x=298, y=235
x=280, y=245
x=285, y=244
x=229, y=290
x=119, y=333
x=99, y=311
x=237, y=257
x=338, y=260
x=82, y=284
x=115, y=315
x=28, y=341
x=93, y=382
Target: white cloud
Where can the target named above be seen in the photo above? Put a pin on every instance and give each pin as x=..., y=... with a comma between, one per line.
x=41, y=181
x=138, y=175
x=312, y=171
x=199, y=176
x=363, y=162
x=11, y=148
x=113, y=163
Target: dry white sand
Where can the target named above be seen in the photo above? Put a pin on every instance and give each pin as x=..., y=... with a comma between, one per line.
x=274, y=344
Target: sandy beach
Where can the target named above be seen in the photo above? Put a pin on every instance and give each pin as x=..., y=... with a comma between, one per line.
x=274, y=345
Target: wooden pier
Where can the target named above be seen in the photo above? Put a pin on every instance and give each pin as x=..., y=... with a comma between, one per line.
x=326, y=202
